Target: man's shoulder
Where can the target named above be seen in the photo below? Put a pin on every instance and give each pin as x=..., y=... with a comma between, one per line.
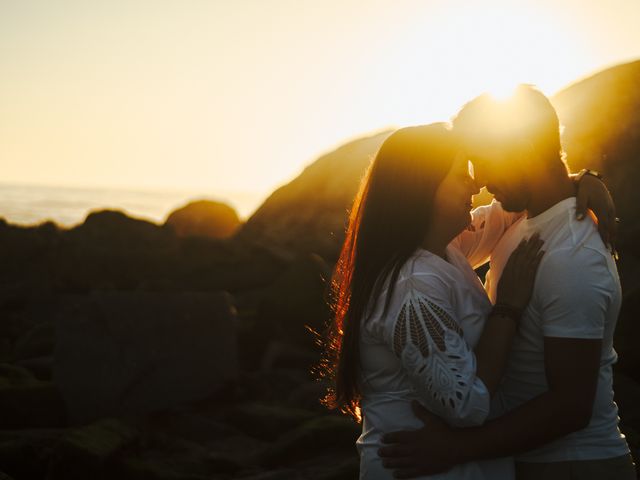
x=579, y=258
x=575, y=243
x=577, y=270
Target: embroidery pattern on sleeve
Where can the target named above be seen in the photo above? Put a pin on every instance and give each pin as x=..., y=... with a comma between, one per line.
x=431, y=347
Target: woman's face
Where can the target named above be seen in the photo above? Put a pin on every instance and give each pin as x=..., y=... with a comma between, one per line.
x=452, y=201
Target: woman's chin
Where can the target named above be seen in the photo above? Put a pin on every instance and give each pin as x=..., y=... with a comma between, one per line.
x=465, y=224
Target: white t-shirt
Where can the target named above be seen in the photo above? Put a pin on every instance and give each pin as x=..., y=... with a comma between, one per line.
x=421, y=348
x=576, y=295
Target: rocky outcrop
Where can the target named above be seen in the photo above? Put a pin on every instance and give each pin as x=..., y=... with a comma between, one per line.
x=204, y=218
x=308, y=214
x=123, y=353
x=112, y=251
x=601, y=118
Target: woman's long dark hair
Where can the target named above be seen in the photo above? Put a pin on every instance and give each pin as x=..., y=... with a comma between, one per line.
x=387, y=223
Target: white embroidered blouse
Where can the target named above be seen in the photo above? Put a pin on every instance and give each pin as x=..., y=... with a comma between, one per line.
x=422, y=346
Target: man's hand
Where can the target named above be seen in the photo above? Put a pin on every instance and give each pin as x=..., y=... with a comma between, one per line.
x=427, y=451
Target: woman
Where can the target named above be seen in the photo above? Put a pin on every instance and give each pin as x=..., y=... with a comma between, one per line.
x=410, y=310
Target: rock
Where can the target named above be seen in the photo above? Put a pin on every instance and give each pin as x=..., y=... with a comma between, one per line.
x=22, y=460
x=26, y=402
x=270, y=386
x=37, y=342
x=321, y=434
x=213, y=265
x=346, y=469
x=196, y=427
x=308, y=214
x=166, y=458
x=291, y=308
x=297, y=298
x=25, y=256
x=31, y=405
x=279, y=474
x=602, y=131
x=267, y=421
x=627, y=397
x=627, y=335
x=119, y=353
x=40, y=367
x=86, y=452
x=285, y=355
x=16, y=376
x=308, y=396
x=113, y=251
x=204, y=218
x=27, y=453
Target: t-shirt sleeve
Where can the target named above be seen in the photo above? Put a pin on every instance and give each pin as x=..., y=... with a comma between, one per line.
x=424, y=334
x=574, y=290
x=488, y=224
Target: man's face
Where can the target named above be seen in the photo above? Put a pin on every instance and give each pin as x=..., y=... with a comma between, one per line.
x=503, y=175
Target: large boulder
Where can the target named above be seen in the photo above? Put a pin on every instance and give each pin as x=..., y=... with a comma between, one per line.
x=122, y=352
x=296, y=302
x=601, y=119
x=204, y=218
x=111, y=250
x=87, y=451
x=308, y=214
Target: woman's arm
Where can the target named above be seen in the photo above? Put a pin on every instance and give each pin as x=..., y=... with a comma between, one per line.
x=440, y=366
x=449, y=378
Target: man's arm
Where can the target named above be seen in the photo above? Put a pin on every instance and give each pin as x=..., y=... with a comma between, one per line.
x=572, y=367
x=573, y=296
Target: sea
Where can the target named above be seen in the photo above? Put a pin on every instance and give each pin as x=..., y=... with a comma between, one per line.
x=69, y=206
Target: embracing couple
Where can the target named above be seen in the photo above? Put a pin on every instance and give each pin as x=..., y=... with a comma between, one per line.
x=459, y=380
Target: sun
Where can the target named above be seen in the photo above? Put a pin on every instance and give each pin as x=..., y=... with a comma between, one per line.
x=493, y=46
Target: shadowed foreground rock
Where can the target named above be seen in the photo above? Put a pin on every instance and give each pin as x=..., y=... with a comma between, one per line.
x=128, y=352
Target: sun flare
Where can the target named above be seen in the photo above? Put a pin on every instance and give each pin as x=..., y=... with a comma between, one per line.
x=476, y=49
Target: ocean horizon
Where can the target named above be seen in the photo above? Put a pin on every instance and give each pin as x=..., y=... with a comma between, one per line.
x=26, y=205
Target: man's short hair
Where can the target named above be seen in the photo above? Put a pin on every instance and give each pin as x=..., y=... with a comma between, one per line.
x=527, y=116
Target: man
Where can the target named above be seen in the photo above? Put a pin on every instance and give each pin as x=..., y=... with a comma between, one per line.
x=554, y=410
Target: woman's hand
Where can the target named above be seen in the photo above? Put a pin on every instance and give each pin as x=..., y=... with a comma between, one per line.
x=517, y=280
x=592, y=194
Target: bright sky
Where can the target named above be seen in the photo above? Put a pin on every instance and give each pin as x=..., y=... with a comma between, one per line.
x=241, y=95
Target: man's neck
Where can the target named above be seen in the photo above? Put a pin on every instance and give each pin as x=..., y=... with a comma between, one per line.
x=548, y=192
